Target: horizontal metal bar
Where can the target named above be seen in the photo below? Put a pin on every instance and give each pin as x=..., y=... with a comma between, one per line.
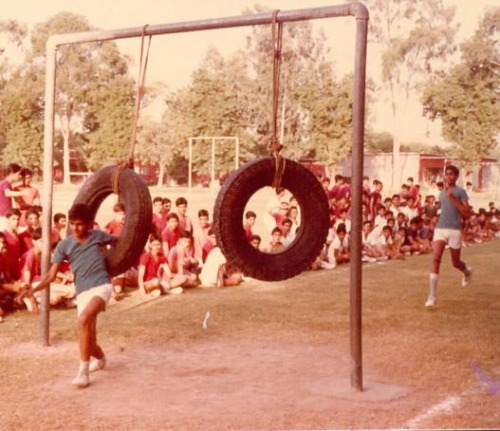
x=357, y=10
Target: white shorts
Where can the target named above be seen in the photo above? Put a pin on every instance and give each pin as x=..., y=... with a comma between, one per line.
x=104, y=291
x=452, y=237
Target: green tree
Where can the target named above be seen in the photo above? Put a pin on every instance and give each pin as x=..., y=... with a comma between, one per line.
x=413, y=37
x=466, y=98
x=329, y=116
x=93, y=95
x=214, y=104
x=302, y=57
x=21, y=111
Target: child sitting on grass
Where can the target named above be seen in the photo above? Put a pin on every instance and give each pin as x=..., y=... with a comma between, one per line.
x=153, y=273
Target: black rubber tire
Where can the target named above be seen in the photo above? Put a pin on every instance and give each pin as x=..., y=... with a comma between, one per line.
x=228, y=220
x=134, y=193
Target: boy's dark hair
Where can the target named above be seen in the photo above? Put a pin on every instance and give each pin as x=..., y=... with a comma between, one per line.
x=172, y=215
x=38, y=208
x=255, y=237
x=453, y=169
x=13, y=168
x=58, y=216
x=410, y=179
x=154, y=236
x=166, y=201
x=276, y=229
x=80, y=212
x=387, y=227
x=119, y=207
x=181, y=201
x=31, y=211
x=287, y=221
x=416, y=220
x=250, y=214
x=341, y=228
x=157, y=199
x=202, y=213
x=185, y=234
x=25, y=172
x=36, y=234
x=13, y=211
x=439, y=184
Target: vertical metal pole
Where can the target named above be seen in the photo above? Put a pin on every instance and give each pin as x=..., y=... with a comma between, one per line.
x=356, y=192
x=212, y=171
x=237, y=155
x=190, y=165
x=47, y=190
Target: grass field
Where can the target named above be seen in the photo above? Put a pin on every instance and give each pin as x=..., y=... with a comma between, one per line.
x=275, y=355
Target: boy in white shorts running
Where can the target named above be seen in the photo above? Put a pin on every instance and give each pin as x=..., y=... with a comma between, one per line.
x=93, y=286
x=454, y=203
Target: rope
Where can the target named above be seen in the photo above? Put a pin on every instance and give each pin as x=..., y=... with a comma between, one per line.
x=275, y=146
x=138, y=99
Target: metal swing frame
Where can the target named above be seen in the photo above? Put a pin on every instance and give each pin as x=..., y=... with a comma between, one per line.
x=357, y=10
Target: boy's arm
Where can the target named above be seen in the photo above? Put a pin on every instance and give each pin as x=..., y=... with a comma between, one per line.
x=220, y=275
x=141, y=270
x=49, y=277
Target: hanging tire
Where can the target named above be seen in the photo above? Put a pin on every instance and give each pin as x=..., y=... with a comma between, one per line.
x=134, y=194
x=310, y=237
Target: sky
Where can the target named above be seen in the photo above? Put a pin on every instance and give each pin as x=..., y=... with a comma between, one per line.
x=173, y=57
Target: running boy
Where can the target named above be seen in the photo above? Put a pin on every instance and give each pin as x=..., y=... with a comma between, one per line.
x=455, y=207
x=93, y=287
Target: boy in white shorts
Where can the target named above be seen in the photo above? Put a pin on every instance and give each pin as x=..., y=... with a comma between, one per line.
x=93, y=286
x=454, y=204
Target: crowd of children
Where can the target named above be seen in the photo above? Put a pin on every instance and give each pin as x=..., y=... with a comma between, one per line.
x=179, y=254
x=182, y=253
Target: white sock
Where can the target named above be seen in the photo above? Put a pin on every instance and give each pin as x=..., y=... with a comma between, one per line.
x=84, y=367
x=433, y=282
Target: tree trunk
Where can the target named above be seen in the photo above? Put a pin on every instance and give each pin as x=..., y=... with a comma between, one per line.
x=66, y=156
x=161, y=173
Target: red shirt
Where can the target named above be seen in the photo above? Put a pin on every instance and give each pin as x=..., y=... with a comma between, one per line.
x=114, y=228
x=160, y=222
x=26, y=241
x=31, y=262
x=151, y=265
x=5, y=202
x=11, y=259
x=248, y=232
x=170, y=237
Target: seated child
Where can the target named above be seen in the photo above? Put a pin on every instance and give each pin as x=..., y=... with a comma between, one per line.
x=214, y=271
x=153, y=274
x=276, y=244
x=30, y=270
x=183, y=261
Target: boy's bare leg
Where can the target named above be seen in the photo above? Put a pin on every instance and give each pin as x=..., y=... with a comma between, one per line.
x=87, y=327
x=87, y=334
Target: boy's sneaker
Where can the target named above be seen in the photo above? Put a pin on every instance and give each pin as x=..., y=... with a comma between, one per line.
x=466, y=279
x=431, y=302
x=81, y=380
x=97, y=364
x=28, y=304
x=175, y=291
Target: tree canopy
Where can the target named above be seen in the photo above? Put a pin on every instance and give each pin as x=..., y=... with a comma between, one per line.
x=466, y=98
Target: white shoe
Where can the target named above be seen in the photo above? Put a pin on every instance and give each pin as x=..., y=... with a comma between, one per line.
x=28, y=304
x=97, y=364
x=466, y=279
x=431, y=302
x=175, y=291
x=81, y=380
